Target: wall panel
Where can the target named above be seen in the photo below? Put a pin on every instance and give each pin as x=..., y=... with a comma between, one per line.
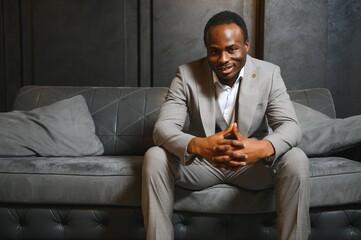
x=317, y=44
x=11, y=52
x=344, y=55
x=296, y=39
x=83, y=42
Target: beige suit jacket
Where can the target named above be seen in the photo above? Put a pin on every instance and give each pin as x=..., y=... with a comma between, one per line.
x=265, y=110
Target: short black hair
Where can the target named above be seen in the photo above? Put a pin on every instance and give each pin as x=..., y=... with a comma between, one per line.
x=226, y=17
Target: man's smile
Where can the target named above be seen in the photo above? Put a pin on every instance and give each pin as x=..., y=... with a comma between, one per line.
x=226, y=69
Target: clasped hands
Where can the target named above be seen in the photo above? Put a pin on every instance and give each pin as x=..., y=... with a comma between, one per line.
x=230, y=154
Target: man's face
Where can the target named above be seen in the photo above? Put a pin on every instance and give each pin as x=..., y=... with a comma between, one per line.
x=226, y=51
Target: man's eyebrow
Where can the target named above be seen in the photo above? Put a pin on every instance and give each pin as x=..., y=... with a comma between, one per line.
x=229, y=46
x=232, y=45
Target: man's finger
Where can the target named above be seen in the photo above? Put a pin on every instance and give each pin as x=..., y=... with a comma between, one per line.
x=237, y=156
x=237, y=144
x=237, y=163
x=228, y=130
x=221, y=159
x=222, y=148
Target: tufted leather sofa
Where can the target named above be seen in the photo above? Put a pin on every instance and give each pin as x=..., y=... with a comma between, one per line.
x=42, y=208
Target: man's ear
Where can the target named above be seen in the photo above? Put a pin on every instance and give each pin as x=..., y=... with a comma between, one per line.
x=247, y=45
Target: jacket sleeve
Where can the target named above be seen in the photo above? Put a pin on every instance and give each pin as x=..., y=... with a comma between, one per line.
x=281, y=116
x=172, y=116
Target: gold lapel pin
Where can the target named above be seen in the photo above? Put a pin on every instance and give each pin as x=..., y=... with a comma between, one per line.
x=254, y=75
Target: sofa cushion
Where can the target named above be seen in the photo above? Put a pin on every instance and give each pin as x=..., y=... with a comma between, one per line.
x=103, y=180
x=334, y=181
x=64, y=128
x=224, y=199
x=116, y=180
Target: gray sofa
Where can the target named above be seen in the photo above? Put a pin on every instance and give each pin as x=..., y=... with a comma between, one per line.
x=96, y=194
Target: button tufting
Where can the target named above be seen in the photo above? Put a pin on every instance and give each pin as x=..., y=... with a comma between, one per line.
x=110, y=222
x=64, y=222
x=21, y=222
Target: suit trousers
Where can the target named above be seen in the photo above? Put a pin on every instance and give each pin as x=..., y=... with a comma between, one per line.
x=289, y=175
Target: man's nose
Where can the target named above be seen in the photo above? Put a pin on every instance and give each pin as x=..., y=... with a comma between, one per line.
x=224, y=57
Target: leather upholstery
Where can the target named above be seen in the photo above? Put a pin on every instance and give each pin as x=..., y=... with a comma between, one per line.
x=94, y=222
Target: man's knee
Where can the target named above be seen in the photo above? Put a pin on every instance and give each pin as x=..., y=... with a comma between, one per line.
x=155, y=160
x=294, y=163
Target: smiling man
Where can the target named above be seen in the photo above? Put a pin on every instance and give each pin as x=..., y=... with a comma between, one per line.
x=243, y=131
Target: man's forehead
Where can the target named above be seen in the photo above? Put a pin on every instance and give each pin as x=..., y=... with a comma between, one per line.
x=224, y=32
x=230, y=26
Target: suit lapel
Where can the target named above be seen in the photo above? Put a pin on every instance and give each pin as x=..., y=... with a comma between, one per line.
x=206, y=98
x=248, y=97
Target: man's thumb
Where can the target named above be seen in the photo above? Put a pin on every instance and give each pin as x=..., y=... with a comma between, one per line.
x=236, y=132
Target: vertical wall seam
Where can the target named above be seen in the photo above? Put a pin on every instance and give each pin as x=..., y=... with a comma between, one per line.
x=139, y=49
x=260, y=18
x=151, y=43
x=3, y=40
x=124, y=44
x=327, y=44
x=32, y=57
x=21, y=44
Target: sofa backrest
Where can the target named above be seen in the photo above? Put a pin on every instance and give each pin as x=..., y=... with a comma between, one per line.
x=319, y=99
x=124, y=116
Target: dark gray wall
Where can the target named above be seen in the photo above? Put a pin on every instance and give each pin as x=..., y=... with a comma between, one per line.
x=103, y=42
x=317, y=44
x=82, y=42
x=141, y=42
x=344, y=55
x=66, y=42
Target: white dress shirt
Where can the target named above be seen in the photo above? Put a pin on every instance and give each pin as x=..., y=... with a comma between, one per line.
x=227, y=96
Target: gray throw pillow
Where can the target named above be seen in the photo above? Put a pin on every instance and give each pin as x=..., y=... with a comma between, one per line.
x=322, y=135
x=64, y=128
x=329, y=136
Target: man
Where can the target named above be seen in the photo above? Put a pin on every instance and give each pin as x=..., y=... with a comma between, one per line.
x=241, y=120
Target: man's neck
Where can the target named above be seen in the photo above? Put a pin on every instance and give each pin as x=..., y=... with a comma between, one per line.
x=229, y=82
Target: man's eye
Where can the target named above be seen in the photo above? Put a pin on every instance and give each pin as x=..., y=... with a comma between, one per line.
x=213, y=51
x=231, y=50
